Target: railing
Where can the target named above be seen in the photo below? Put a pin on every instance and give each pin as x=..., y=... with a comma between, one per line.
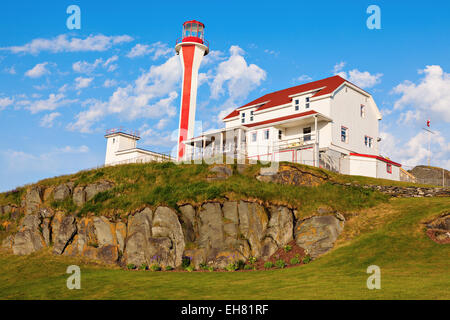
x=306, y=139
x=199, y=40
x=229, y=149
x=134, y=133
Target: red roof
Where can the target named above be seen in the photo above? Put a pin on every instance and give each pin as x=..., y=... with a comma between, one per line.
x=324, y=86
x=292, y=116
x=376, y=157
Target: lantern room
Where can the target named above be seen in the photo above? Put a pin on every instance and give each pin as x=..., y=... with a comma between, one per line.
x=193, y=31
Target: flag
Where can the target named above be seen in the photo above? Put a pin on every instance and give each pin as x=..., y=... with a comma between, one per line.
x=428, y=123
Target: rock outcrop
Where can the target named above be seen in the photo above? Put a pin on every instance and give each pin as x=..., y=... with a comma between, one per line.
x=291, y=174
x=318, y=234
x=211, y=233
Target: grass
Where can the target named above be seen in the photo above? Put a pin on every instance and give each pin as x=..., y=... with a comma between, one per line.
x=152, y=184
x=412, y=267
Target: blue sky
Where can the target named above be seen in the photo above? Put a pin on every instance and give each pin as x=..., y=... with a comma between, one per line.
x=60, y=89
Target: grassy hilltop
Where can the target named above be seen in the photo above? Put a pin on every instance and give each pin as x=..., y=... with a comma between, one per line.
x=379, y=231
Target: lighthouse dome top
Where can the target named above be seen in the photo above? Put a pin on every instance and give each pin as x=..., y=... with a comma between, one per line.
x=193, y=32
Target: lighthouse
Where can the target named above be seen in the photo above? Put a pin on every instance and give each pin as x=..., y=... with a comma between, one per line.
x=191, y=48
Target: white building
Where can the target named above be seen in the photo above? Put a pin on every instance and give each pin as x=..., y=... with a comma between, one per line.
x=328, y=123
x=121, y=148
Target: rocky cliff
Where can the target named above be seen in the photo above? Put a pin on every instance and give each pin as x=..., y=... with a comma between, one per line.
x=213, y=233
x=226, y=228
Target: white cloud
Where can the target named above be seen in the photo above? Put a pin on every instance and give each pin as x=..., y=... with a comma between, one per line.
x=415, y=150
x=152, y=95
x=64, y=43
x=110, y=83
x=10, y=70
x=338, y=67
x=38, y=70
x=212, y=57
x=236, y=78
x=429, y=98
x=81, y=82
x=109, y=63
x=158, y=49
x=5, y=102
x=53, y=102
x=48, y=119
x=363, y=79
x=303, y=77
x=86, y=67
x=162, y=123
x=156, y=138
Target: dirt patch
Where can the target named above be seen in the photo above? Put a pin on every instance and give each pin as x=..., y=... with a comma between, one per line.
x=285, y=255
x=438, y=229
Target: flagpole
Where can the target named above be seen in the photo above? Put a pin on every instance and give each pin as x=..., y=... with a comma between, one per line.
x=429, y=141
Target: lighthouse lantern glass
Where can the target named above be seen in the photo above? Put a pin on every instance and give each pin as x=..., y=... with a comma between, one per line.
x=193, y=29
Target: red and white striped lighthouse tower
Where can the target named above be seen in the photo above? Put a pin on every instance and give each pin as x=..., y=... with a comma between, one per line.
x=191, y=48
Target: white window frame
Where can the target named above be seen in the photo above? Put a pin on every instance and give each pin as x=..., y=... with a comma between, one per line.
x=254, y=136
x=266, y=134
x=362, y=111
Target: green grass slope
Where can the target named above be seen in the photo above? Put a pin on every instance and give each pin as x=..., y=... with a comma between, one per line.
x=152, y=184
x=389, y=235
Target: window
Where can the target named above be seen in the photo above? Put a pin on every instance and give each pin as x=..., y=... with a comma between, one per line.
x=114, y=140
x=266, y=134
x=307, y=103
x=280, y=134
x=243, y=117
x=362, y=111
x=251, y=115
x=388, y=168
x=344, y=134
x=368, y=141
x=307, y=134
x=297, y=104
x=254, y=136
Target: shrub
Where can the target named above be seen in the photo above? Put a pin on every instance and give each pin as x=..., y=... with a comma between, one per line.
x=131, y=266
x=210, y=268
x=295, y=261
x=186, y=262
x=248, y=267
x=231, y=267
x=268, y=265
x=252, y=260
x=143, y=266
x=287, y=248
x=307, y=259
x=280, y=264
x=189, y=268
x=169, y=268
x=240, y=265
x=203, y=266
x=155, y=267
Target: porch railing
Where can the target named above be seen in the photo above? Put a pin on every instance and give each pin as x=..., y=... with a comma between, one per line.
x=306, y=139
